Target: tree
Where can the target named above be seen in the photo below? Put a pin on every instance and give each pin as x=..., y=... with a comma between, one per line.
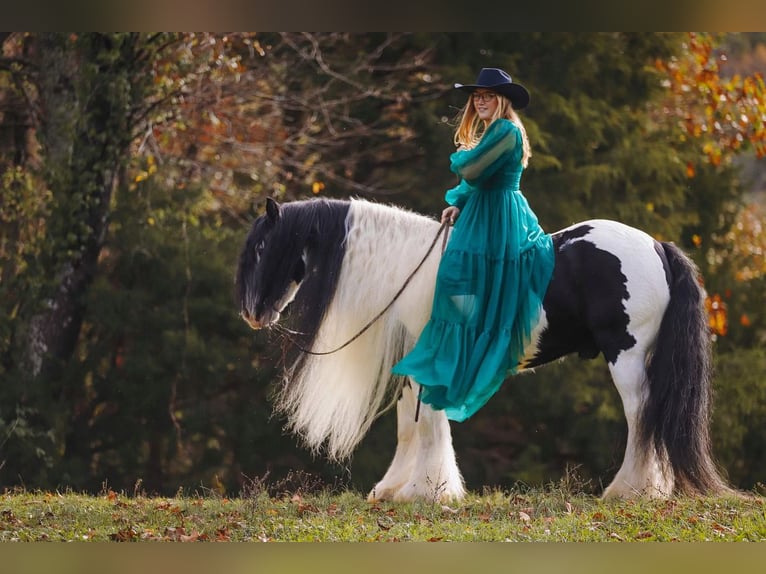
x=724, y=113
x=86, y=97
x=188, y=110
x=720, y=106
x=81, y=93
x=300, y=114
x=133, y=163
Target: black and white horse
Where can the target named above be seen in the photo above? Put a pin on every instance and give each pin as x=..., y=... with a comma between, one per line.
x=615, y=291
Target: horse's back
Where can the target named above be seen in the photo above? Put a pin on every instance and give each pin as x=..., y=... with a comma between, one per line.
x=609, y=279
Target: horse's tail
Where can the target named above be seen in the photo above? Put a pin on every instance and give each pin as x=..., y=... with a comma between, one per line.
x=676, y=417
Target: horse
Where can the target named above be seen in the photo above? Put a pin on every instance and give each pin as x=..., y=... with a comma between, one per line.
x=615, y=291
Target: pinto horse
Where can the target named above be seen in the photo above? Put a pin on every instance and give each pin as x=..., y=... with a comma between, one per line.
x=614, y=291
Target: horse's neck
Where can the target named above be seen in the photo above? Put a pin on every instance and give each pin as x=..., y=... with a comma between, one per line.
x=384, y=246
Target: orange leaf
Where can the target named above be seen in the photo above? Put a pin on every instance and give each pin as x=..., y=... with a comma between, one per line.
x=125, y=535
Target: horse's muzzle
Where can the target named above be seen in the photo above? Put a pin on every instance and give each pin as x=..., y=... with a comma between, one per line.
x=267, y=318
x=250, y=320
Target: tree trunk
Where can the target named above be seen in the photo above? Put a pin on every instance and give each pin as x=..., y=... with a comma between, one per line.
x=84, y=89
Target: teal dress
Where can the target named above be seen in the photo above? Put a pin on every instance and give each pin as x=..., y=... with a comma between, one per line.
x=491, y=281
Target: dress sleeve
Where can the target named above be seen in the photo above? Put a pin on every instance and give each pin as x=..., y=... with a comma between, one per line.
x=477, y=164
x=459, y=194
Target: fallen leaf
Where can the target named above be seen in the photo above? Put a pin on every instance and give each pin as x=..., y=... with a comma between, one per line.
x=616, y=536
x=524, y=516
x=9, y=517
x=644, y=535
x=385, y=522
x=435, y=539
x=173, y=533
x=90, y=534
x=194, y=537
x=304, y=508
x=423, y=519
x=222, y=535
x=126, y=535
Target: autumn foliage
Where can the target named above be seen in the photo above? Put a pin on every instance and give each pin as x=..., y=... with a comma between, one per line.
x=163, y=381
x=724, y=113
x=719, y=107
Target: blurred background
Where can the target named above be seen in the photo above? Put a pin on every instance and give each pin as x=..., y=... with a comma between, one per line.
x=132, y=165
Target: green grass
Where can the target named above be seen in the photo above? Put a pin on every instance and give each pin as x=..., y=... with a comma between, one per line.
x=550, y=514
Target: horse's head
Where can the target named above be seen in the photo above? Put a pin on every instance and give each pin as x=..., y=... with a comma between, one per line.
x=271, y=268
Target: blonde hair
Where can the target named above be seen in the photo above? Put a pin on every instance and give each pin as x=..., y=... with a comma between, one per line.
x=471, y=128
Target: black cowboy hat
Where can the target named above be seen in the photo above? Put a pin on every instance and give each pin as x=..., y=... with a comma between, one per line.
x=499, y=81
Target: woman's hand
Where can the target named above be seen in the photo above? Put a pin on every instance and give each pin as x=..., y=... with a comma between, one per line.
x=450, y=214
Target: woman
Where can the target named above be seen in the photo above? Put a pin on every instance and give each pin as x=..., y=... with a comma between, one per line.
x=497, y=265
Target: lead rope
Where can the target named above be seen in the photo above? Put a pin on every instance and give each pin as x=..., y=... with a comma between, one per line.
x=417, y=408
x=372, y=321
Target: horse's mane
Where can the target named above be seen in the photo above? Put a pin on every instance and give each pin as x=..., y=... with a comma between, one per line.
x=357, y=259
x=318, y=227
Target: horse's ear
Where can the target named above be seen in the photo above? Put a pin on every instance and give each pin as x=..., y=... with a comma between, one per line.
x=272, y=209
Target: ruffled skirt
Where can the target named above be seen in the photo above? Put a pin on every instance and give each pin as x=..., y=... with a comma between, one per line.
x=488, y=297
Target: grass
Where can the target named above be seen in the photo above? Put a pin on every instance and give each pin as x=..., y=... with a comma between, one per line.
x=520, y=515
